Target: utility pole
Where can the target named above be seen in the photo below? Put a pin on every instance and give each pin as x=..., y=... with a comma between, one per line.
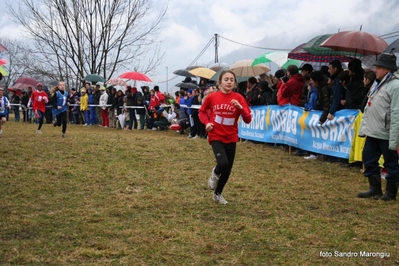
x=216, y=48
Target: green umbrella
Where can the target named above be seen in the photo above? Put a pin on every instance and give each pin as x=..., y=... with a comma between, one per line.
x=215, y=77
x=277, y=57
x=94, y=78
x=292, y=62
x=299, y=64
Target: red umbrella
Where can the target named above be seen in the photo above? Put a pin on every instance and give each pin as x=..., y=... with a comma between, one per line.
x=2, y=48
x=17, y=91
x=23, y=84
x=356, y=41
x=135, y=76
x=27, y=81
x=2, y=62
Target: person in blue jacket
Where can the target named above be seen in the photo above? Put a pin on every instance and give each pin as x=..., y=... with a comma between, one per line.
x=4, y=109
x=59, y=100
x=92, y=108
x=312, y=98
x=189, y=99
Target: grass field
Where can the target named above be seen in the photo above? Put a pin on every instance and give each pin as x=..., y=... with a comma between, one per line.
x=114, y=197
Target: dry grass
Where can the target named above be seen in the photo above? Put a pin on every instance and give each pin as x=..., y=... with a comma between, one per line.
x=113, y=197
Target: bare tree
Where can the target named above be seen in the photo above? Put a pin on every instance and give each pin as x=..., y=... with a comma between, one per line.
x=78, y=37
x=21, y=61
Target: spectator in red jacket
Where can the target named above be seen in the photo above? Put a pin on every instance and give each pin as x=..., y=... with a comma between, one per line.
x=160, y=97
x=291, y=91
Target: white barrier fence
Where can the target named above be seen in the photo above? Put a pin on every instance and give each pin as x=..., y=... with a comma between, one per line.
x=109, y=105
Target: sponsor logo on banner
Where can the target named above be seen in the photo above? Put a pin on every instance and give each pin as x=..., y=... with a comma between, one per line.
x=293, y=126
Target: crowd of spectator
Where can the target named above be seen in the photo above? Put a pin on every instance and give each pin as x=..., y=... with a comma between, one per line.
x=329, y=89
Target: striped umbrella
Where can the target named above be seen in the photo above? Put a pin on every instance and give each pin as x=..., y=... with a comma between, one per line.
x=299, y=53
x=277, y=57
x=3, y=71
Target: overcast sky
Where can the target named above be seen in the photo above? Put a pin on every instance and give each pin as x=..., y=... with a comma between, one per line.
x=266, y=23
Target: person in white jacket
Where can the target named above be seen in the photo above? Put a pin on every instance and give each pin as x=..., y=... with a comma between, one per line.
x=104, y=108
x=380, y=126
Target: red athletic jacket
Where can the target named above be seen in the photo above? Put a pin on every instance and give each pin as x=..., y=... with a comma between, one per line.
x=224, y=115
x=39, y=100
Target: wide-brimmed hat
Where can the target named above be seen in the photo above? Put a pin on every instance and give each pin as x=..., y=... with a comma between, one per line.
x=386, y=60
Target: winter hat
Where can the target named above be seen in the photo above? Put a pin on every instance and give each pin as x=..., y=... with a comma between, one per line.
x=134, y=89
x=156, y=88
x=190, y=91
x=279, y=73
x=39, y=84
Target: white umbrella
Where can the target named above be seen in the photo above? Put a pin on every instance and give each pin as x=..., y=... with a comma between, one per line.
x=122, y=120
x=244, y=68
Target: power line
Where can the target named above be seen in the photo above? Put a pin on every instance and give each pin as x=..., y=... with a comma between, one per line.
x=391, y=36
x=195, y=60
x=202, y=52
x=258, y=47
x=386, y=36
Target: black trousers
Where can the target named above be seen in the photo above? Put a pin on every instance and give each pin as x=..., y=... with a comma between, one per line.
x=372, y=150
x=62, y=119
x=224, y=154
